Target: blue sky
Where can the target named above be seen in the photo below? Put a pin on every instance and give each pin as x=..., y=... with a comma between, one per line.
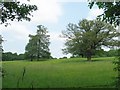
x=52, y=14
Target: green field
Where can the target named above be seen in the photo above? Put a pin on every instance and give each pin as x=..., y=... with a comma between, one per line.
x=62, y=73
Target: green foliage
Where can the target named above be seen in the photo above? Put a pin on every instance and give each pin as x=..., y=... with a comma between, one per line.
x=63, y=58
x=64, y=73
x=9, y=56
x=15, y=11
x=38, y=46
x=88, y=37
x=102, y=53
x=111, y=11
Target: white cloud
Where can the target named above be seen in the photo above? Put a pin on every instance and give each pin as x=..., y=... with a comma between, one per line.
x=48, y=10
x=57, y=45
x=93, y=13
x=72, y=0
x=16, y=36
x=56, y=37
x=17, y=31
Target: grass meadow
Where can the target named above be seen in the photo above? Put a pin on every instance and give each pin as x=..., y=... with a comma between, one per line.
x=61, y=73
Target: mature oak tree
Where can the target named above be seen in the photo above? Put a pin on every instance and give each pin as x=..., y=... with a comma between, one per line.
x=88, y=36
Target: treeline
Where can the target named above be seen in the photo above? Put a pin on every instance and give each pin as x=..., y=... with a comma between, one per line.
x=110, y=53
x=9, y=56
x=102, y=53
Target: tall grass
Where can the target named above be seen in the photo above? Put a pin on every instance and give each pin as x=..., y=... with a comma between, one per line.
x=74, y=72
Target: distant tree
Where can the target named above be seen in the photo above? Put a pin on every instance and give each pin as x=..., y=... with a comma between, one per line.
x=112, y=53
x=21, y=57
x=15, y=11
x=38, y=46
x=102, y=53
x=9, y=56
x=89, y=36
x=63, y=58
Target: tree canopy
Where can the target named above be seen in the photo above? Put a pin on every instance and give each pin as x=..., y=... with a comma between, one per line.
x=88, y=36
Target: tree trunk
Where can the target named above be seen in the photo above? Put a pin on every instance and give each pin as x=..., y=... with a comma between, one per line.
x=38, y=54
x=89, y=54
x=89, y=58
x=82, y=55
x=31, y=58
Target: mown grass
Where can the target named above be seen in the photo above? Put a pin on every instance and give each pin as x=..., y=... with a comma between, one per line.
x=63, y=73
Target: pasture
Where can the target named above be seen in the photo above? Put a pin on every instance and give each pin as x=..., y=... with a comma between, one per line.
x=61, y=73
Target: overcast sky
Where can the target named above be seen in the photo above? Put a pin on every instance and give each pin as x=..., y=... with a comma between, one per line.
x=53, y=14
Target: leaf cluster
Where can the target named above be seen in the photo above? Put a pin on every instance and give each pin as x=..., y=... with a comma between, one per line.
x=15, y=11
x=111, y=11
